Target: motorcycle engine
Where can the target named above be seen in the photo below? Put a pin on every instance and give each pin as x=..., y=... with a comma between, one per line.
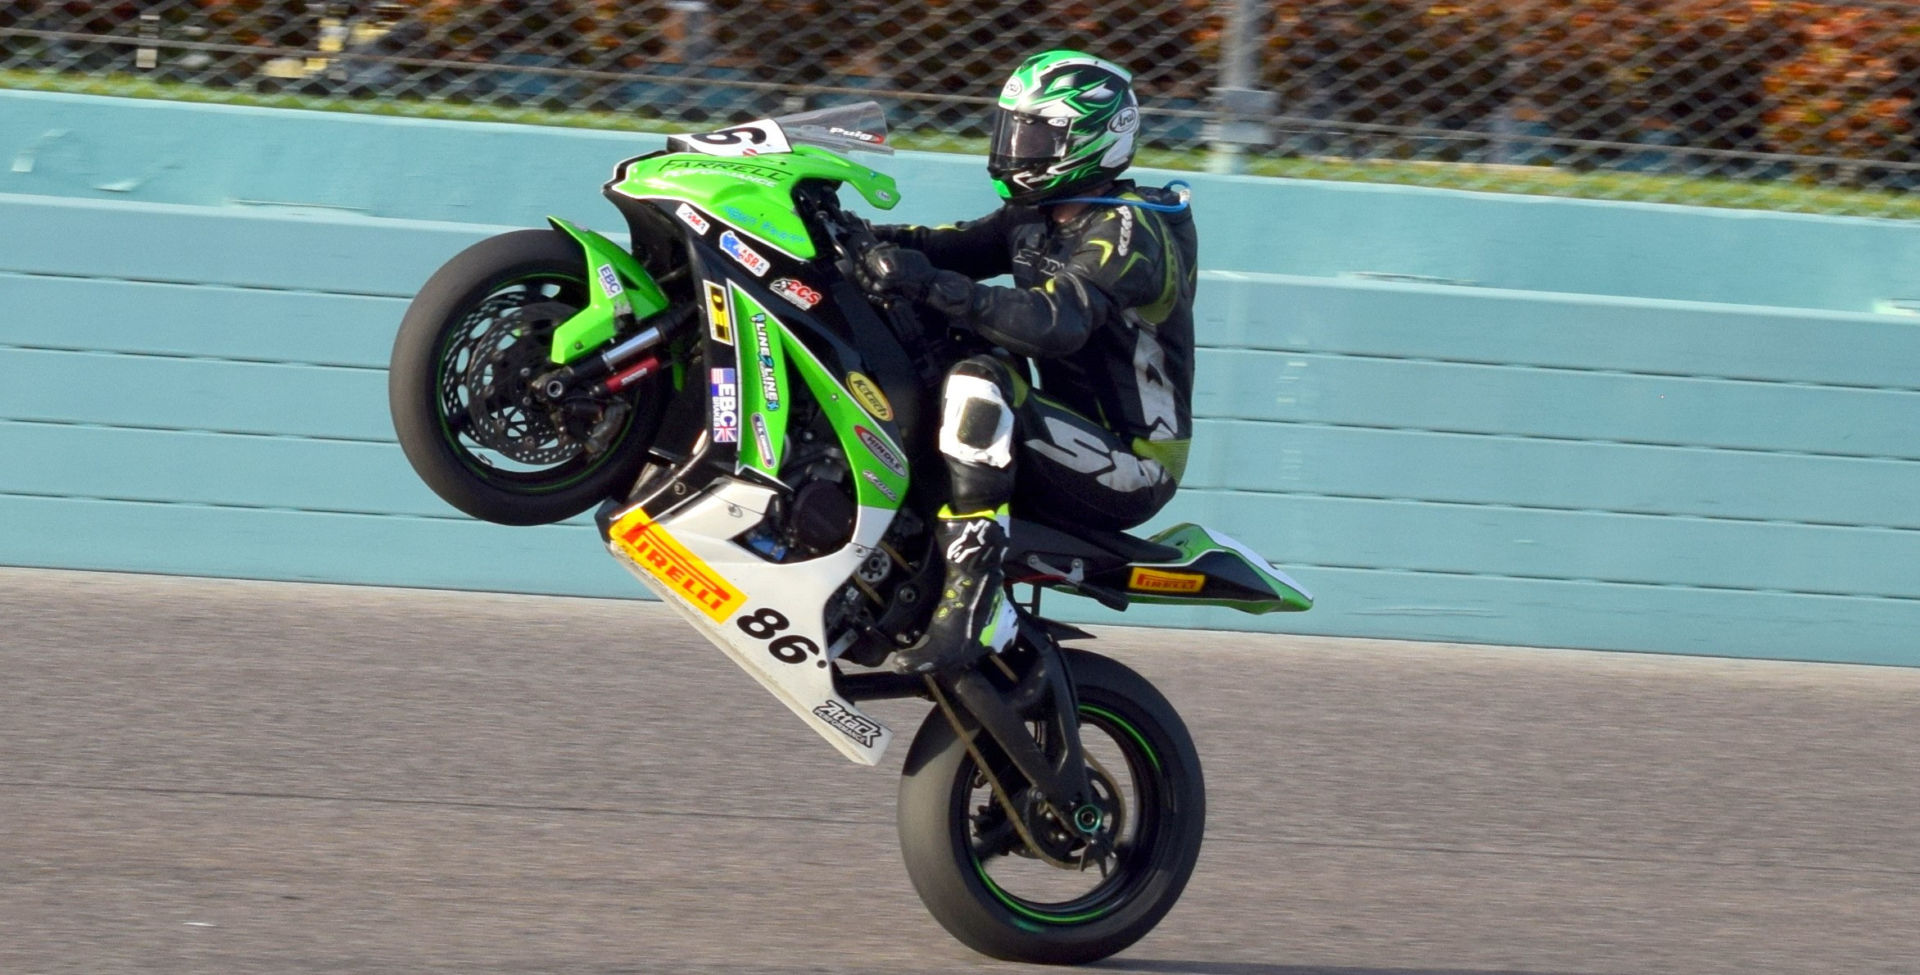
x=884, y=603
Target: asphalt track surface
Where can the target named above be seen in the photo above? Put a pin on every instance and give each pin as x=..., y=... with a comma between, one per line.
x=227, y=777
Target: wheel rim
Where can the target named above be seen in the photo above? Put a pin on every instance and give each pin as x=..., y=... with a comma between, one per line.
x=1044, y=895
x=501, y=439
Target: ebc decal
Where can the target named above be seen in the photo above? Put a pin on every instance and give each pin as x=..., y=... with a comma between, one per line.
x=725, y=393
x=609, y=281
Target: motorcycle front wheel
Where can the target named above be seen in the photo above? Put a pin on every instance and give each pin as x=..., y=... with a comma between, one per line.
x=462, y=401
x=981, y=881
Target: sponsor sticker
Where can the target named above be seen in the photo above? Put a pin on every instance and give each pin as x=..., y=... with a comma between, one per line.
x=1013, y=89
x=862, y=729
x=649, y=545
x=692, y=218
x=719, y=315
x=750, y=139
x=762, y=440
x=765, y=228
x=609, y=281
x=1157, y=580
x=750, y=172
x=869, y=137
x=747, y=256
x=769, y=378
x=724, y=394
x=795, y=291
x=869, y=396
x=881, y=452
x=879, y=485
x=1124, y=120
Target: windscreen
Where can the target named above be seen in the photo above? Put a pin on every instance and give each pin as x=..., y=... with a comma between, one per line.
x=844, y=128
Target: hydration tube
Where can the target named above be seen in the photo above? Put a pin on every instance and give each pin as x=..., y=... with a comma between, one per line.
x=1185, y=192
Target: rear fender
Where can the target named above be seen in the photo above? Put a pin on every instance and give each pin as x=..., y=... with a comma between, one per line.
x=619, y=287
x=1212, y=570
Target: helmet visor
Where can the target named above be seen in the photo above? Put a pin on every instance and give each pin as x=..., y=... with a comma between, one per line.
x=1022, y=141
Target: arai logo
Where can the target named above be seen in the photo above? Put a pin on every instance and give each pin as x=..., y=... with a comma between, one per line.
x=1124, y=120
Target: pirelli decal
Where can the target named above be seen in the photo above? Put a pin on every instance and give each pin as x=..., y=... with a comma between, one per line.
x=1157, y=580
x=650, y=547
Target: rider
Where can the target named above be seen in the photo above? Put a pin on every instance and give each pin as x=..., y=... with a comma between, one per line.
x=1102, y=299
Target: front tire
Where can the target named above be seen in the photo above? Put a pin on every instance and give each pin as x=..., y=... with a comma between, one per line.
x=461, y=410
x=1028, y=911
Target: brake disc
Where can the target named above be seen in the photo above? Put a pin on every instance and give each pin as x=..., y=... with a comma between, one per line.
x=498, y=384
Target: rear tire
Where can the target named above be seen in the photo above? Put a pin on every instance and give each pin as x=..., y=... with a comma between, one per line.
x=938, y=824
x=540, y=276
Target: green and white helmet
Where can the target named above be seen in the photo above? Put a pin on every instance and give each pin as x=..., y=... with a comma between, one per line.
x=1066, y=121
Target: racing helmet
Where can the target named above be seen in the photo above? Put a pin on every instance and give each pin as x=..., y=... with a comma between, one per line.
x=1066, y=121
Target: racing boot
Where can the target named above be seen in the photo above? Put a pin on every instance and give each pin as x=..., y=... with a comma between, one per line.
x=974, y=616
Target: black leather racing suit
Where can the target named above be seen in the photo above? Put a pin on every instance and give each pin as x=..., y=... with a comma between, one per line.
x=1103, y=304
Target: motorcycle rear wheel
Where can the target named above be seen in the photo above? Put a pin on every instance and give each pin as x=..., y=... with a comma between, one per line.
x=459, y=401
x=1006, y=905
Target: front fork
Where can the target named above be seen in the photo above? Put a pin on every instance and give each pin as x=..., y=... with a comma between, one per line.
x=976, y=707
x=621, y=296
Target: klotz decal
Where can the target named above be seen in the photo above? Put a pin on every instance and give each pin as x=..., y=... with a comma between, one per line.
x=1154, y=580
x=609, y=281
x=877, y=445
x=762, y=440
x=692, y=218
x=747, y=256
x=869, y=396
x=880, y=486
x=719, y=315
x=769, y=379
x=796, y=292
x=725, y=397
x=861, y=729
x=650, y=547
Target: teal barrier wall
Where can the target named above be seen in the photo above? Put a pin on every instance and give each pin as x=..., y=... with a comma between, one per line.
x=193, y=384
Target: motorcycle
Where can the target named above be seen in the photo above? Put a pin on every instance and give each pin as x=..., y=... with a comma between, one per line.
x=756, y=432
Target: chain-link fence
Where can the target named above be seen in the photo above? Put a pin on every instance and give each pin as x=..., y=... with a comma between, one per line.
x=1807, y=105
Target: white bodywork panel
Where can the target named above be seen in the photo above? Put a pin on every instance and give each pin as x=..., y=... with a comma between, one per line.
x=761, y=614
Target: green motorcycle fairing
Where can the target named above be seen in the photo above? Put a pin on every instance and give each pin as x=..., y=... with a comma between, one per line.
x=619, y=287
x=1211, y=570
x=754, y=194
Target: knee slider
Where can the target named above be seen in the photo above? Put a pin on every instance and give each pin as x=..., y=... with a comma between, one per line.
x=976, y=424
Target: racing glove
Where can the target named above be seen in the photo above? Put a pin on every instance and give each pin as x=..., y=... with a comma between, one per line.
x=892, y=269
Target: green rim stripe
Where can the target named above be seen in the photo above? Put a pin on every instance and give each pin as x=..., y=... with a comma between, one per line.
x=1014, y=903
x=1010, y=901
x=1129, y=729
